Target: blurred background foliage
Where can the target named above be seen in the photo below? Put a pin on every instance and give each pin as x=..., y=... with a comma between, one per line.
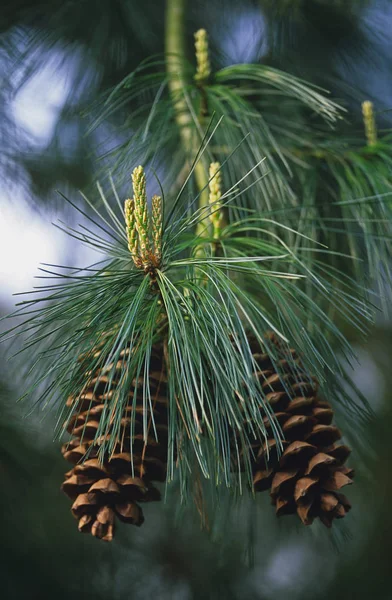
x=56, y=59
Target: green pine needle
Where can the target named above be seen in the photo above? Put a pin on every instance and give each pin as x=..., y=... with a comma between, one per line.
x=203, y=308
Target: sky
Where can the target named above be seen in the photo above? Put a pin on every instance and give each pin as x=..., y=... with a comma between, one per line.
x=26, y=233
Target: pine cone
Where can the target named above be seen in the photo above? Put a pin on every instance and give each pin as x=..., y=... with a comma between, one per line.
x=103, y=488
x=307, y=477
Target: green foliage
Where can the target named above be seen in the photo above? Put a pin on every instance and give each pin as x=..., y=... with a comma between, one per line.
x=234, y=92
x=347, y=204
x=323, y=178
x=203, y=306
x=305, y=239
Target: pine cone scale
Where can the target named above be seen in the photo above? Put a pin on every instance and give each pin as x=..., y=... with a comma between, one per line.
x=107, y=488
x=306, y=478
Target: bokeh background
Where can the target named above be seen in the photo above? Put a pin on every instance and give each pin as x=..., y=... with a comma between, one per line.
x=56, y=58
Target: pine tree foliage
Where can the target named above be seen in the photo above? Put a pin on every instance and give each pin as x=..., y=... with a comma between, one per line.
x=321, y=174
x=272, y=216
x=244, y=94
x=204, y=306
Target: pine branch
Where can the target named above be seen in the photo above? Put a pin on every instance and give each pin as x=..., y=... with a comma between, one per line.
x=206, y=308
x=175, y=51
x=220, y=300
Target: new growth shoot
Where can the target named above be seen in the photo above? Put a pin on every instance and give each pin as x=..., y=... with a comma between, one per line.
x=203, y=68
x=215, y=194
x=369, y=122
x=144, y=231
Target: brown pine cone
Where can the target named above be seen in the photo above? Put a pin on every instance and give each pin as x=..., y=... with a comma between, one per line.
x=102, y=487
x=306, y=476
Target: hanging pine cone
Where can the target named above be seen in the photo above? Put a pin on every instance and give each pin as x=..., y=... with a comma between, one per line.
x=104, y=489
x=307, y=477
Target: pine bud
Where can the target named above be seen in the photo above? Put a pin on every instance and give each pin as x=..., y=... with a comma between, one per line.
x=130, y=222
x=215, y=183
x=203, y=69
x=369, y=123
x=156, y=215
x=141, y=211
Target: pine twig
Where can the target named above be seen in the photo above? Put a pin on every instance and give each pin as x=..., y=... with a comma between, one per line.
x=175, y=52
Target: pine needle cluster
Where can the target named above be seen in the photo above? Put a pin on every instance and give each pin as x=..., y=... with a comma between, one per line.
x=202, y=306
x=238, y=253
x=329, y=183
